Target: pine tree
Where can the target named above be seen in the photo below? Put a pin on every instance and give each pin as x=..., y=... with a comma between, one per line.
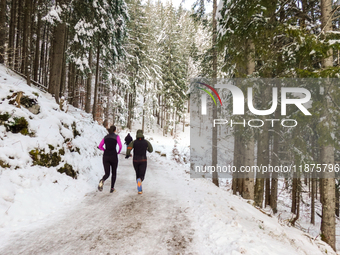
x=57, y=55
x=12, y=33
x=173, y=67
x=137, y=51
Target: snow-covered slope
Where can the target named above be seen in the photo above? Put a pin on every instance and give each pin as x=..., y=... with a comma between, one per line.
x=45, y=212
x=31, y=192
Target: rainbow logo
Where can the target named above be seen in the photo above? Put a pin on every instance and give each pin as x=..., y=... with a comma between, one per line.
x=213, y=90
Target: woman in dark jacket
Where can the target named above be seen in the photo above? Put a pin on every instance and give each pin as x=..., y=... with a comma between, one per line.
x=139, y=146
x=110, y=157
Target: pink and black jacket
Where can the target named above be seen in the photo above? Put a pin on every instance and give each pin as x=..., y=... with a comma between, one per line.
x=110, y=141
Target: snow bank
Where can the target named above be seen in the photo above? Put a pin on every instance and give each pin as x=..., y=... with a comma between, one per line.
x=228, y=224
x=31, y=192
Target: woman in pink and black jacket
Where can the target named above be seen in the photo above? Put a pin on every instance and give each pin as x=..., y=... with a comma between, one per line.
x=110, y=157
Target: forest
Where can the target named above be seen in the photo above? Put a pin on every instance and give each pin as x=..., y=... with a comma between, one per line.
x=103, y=56
x=130, y=60
x=282, y=40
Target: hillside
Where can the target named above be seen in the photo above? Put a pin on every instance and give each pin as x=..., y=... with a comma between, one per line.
x=30, y=157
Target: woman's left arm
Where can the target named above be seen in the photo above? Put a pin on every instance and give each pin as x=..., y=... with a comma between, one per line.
x=101, y=145
x=119, y=144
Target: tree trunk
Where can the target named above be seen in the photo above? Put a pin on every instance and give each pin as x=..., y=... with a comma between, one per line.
x=249, y=157
x=267, y=192
x=165, y=123
x=48, y=55
x=248, y=182
x=108, y=106
x=24, y=39
x=214, y=143
x=327, y=150
x=236, y=160
x=11, y=35
x=37, y=45
x=262, y=158
x=337, y=196
x=27, y=58
x=26, y=43
x=128, y=107
x=320, y=190
x=175, y=116
x=259, y=184
x=130, y=111
x=71, y=82
x=312, y=219
x=89, y=85
x=158, y=109
x=275, y=162
x=143, y=118
x=294, y=194
x=57, y=58
x=77, y=81
x=2, y=30
x=161, y=111
x=94, y=110
x=313, y=182
x=48, y=59
x=42, y=57
x=297, y=214
x=214, y=76
x=17, y=44
x=173, y=119
x=63, y=70
x=183, y=120
x=304, y=12
x=267, y=182
x=32, y=38
x=328, y=204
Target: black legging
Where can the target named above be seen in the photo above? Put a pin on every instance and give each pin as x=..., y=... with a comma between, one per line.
x=140, y=168
x=109, y=161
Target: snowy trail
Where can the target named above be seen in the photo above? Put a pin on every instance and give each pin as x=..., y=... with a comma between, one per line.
x=119, y=223
x=175, y=215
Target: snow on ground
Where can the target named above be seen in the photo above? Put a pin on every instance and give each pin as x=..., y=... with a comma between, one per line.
x=30, y=193
x=303, y=223
x=284, y=215
x=175, y=215
x=45, y=212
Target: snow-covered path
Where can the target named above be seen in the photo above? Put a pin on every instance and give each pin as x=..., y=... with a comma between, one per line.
x=119, y=223
x=174, y=215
